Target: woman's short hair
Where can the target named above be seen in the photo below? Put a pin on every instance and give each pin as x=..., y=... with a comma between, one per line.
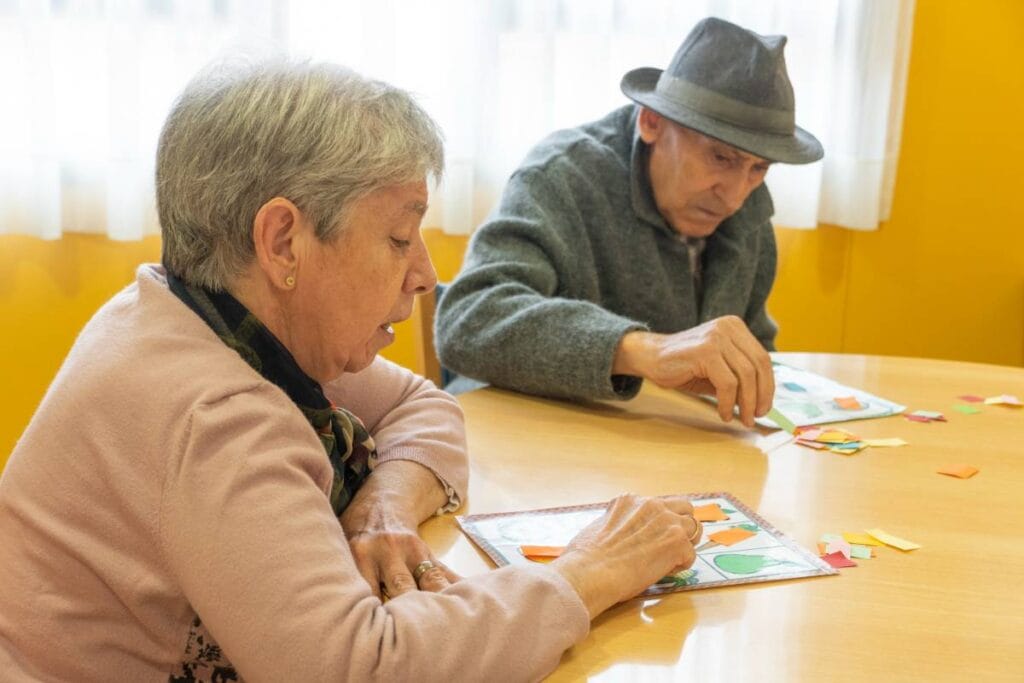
x=239, y=135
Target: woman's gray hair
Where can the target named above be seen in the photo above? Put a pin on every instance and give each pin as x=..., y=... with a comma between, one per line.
x=239, y=135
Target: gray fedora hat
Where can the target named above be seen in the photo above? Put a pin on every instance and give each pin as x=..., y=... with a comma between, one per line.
x=730, y=84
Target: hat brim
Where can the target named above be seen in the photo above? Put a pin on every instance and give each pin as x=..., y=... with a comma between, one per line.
x=639, y=85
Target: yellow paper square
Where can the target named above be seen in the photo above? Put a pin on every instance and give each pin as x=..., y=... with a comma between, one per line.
x=860, y=538
x=886, y=443
x=895, y=541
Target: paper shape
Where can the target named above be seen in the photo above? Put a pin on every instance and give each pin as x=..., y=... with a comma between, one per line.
x=856, y=537
x=860, y=552
x=551, y=551
x=895, y=541
x=961, y=471
x=812, y=444
x=834, y=436
x=848, y=403
x=848, y=446
x=971, y=398
x=838, y=560
x=746, y=564
x=793, y=386
x=925, y=416
x=781, y=420
x=711, y=512
x=885, y=443
x=966, y=409
x=821, y=548
x=1004, y=400
x=731, y=536
x=838, y=547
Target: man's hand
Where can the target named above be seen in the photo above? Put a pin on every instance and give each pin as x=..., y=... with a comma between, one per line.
x=381, y=525
x=720, y=357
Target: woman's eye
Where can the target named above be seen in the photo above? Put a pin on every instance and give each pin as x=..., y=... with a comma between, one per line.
x=400, y=244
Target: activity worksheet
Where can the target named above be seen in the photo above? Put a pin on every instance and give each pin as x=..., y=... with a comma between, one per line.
x=737, y=546
x=805, y=398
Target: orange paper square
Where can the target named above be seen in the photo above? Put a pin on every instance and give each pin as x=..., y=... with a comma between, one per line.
x=709, y=513
x=961, y=471
x=848, y=403
x=730, y=536
x=541, y=550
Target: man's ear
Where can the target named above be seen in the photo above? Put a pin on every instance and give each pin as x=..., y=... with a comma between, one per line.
x=277, y=237
x=651, y=125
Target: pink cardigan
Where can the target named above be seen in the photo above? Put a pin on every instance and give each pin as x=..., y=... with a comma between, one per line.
x=162, y=478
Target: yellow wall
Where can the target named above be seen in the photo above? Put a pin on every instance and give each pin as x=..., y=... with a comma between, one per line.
x=48, y=290
x=944, y=278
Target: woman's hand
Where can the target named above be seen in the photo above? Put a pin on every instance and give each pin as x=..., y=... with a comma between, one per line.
x=636, y=542
x=381, y=526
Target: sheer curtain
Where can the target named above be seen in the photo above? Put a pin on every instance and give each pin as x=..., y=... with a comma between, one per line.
x=93, y=79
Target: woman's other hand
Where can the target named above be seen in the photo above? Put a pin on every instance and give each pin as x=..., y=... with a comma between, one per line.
x=381, y=526
x=636, y=542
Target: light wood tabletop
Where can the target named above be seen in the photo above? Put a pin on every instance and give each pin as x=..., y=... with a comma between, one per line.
x=952, y=610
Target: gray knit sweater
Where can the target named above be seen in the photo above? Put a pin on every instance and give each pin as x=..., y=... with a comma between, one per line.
x=576, y=255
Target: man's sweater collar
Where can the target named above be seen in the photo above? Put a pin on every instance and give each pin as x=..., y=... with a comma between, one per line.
x=641, y=191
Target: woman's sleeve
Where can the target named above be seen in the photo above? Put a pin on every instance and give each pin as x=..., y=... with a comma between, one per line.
x=409, y=418
x=247, y=530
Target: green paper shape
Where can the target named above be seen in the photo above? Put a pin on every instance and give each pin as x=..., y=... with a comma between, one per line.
x=966, y=409
x=860, y=552
x=745, y=564
x=784, y=422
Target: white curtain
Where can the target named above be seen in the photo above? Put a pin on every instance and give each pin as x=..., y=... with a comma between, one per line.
x=87, y=83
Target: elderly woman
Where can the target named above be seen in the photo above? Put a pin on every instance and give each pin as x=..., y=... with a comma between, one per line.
x=172, y=511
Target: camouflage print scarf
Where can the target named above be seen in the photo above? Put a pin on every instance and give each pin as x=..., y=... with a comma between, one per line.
x=349, y=446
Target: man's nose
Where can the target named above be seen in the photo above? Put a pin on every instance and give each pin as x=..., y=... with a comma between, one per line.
x=734, y=190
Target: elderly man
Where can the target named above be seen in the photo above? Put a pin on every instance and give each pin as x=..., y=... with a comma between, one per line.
x=640, y=245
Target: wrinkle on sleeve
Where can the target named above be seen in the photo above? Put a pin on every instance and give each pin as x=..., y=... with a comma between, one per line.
x=409, y=418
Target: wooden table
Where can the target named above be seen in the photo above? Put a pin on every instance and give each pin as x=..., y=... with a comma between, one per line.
x=952, y=610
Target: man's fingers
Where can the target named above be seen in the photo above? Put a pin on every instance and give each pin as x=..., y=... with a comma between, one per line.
x=724, y=380
x=762, y=364
x=746, y=376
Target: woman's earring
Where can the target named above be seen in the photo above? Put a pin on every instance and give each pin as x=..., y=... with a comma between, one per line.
x=289, y=281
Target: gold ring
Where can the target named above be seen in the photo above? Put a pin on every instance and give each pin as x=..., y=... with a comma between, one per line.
x=421, y=569
x=698, y=531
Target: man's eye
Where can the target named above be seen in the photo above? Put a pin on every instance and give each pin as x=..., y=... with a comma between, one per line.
x=722, y=159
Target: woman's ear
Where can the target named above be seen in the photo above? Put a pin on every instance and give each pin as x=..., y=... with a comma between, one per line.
x=277, y=236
